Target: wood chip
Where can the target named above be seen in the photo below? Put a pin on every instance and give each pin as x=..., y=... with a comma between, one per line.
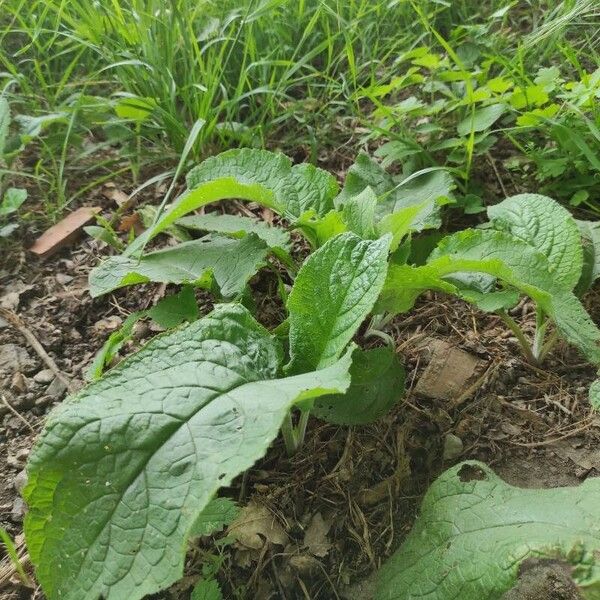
x=64, y=232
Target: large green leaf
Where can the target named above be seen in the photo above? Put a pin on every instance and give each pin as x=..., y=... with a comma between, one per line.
x=429, y=189
x=238, y=226
x=548, y=227
x=334, y=291
x=377, y=384
x=230, y=262
x=260, y=176
x=123, y=470
x=475, y=531
x=505, y=257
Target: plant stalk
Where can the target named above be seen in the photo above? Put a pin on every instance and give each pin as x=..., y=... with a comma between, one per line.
x=514, y=327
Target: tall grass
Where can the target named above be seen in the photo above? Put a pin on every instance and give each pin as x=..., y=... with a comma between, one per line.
x=242, y=67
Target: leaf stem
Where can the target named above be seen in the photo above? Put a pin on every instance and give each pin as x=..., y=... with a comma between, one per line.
x=541, y=324
x=293, y=436
x=514, y=327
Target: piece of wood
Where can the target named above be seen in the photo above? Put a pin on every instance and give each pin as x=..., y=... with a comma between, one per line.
x=65, y=232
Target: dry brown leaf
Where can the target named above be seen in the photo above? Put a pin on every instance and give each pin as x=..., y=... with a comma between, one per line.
x=315, y=537
x=255, y=526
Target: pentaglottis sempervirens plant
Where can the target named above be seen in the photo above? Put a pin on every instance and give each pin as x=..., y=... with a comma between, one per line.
x=124, y=469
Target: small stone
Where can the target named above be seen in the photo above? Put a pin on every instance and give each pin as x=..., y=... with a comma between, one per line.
x=24, y=401
x=108, y=324
x=63, y=278
x=43, y=401
x=18, y=382
x=56, y=390
x=44, y=376
x=15, y=358
x=453, y=447
x=18, y=510
x=20, y=481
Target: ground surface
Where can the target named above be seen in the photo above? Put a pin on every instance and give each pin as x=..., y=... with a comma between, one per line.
x=320, y=523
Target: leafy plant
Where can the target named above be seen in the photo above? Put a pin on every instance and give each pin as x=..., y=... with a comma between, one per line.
x=475, y=532
x=125, y=468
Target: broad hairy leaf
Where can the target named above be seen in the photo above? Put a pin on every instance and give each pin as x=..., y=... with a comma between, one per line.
x=548, y=227
x=430, y=189
x=377, y=384
x=229, y=262
x=123, y=469
x=260, y=176
x=334, y=291
x=475, y=531
x=359, y=213
x=238, y=226
x=502, y=256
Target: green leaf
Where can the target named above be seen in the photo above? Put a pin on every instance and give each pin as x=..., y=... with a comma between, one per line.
x=12, y=200
x=590, y=238
x=218, y=513
x=334, y=291
x=475, y=531
x=229, y=262
x=4, y=123
x=123, y=470
x=113, y=344
x=176, y=308
x=481, y=119
x=402, y=222
x=548, y=227
x=404, y=284
x=319, y=230
x=238, y=226
x=429, y=188
x=207, y=589
x=359, y=214
x=258, y=176
x=491, y=301
x=377, y=384
x=135, y=108
x=365, y=172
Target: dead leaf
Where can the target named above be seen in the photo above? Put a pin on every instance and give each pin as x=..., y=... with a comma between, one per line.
x=116, y=195
x=315, y=537
x=129, y=221
x=255, y=526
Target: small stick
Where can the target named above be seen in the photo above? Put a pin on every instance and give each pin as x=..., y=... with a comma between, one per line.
x=16, y=322
x=17, y=413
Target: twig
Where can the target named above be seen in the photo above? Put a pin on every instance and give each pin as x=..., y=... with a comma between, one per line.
x=17, y=414
x=16, y=322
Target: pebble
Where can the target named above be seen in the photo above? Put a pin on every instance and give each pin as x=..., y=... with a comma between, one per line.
x=18, y=382
x=44, y=376
x=63, y=278
x=56, y=390
x=18, y=510
x=20, y=481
